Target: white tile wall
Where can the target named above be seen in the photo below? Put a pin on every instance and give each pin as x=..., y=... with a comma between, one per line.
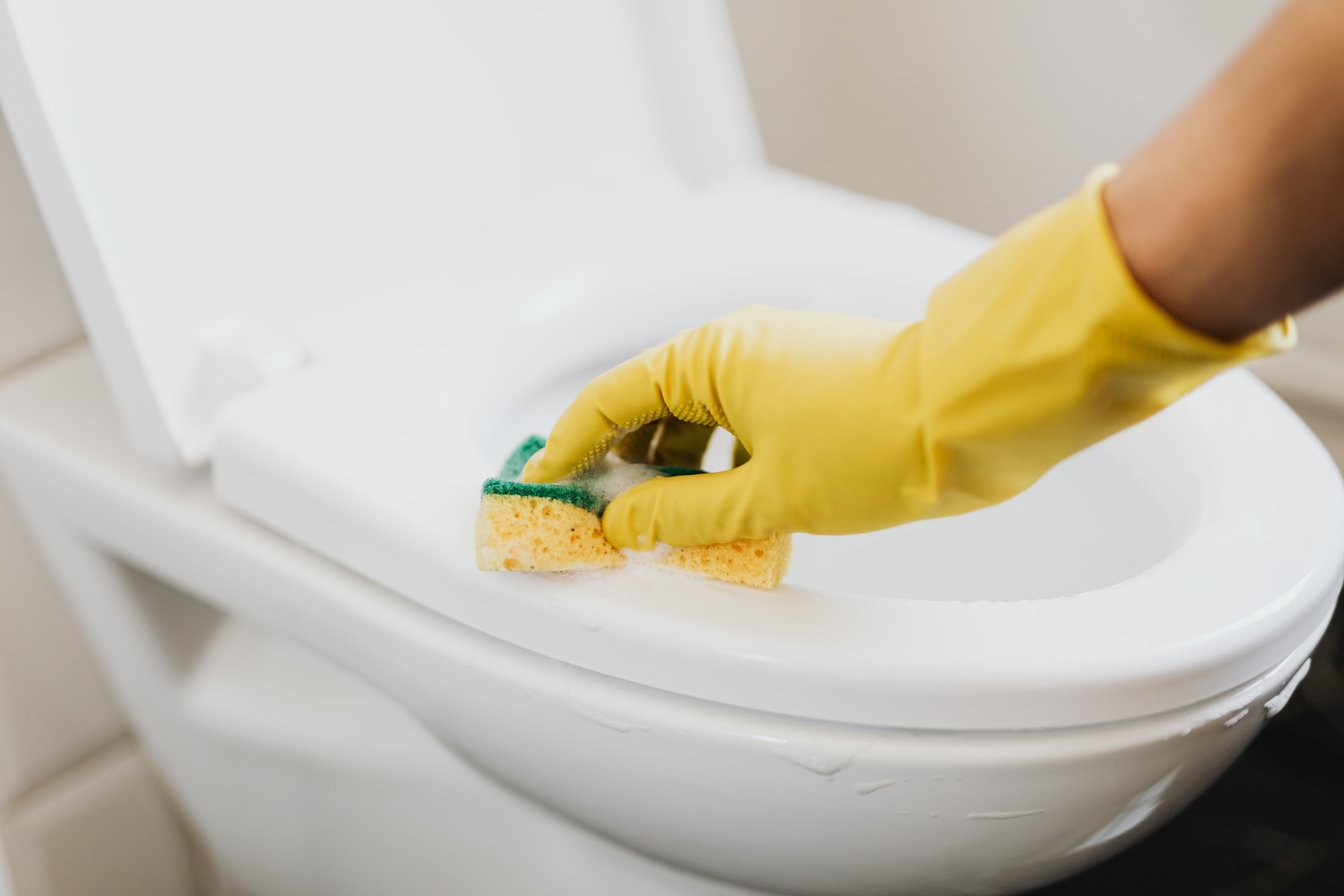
x=80, y=811
x=36, y=313
x=102, y=829
x=54, y=707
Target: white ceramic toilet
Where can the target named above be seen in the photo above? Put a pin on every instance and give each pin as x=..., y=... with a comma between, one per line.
x=335, y=258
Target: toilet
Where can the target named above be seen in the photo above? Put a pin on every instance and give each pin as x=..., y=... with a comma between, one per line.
x=336, y=258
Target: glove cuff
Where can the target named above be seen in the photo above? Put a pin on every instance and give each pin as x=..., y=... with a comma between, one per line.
x=1141, y=314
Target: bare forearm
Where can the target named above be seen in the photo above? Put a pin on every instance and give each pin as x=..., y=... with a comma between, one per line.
x=1234, y=215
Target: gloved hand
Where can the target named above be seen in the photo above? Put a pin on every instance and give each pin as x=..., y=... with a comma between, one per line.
x=1042, y=346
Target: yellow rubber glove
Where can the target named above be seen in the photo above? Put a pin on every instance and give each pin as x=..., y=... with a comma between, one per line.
x=1042, y=346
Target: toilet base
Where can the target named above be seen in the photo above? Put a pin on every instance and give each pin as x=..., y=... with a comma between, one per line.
x=303, y=780
x=398, y=813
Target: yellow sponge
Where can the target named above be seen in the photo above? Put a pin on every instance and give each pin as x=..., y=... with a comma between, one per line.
x=529, y=527
x=758, y=562
x=516, y=532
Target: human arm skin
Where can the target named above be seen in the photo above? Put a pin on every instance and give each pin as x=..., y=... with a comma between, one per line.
x=1233, y=216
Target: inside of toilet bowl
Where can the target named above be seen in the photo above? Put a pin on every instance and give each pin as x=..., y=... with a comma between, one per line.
x=1099, y=518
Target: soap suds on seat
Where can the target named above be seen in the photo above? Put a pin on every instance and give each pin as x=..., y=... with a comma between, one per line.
x=552, y=527
x=610, y=478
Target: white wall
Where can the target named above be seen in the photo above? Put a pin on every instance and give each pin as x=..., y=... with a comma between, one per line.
x=53, y=706
x=81, y=812
x=979, y=112
x=36, y=313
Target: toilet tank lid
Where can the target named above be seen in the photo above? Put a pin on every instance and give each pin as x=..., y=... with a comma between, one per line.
x=214, y=173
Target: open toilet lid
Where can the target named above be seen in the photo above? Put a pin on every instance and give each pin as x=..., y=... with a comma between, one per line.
x=214, y=174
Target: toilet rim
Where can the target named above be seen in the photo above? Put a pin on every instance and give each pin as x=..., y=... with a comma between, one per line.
x=1210, y=616
x=798, y=692
x=1213, y=614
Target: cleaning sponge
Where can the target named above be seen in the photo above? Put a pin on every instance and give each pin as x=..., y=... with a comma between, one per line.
x=549, y=527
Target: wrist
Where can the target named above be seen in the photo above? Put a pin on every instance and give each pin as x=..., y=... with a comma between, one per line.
x=1180, y=243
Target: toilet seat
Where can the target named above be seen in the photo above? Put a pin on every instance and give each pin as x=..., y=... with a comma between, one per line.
x=376, y=463
x=833, y=808
x=305, y=272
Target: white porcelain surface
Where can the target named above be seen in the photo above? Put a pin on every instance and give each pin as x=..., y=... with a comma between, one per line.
x=209, y=167
x=390, y=245
x=772, y=801
x=36, y=312
x=54, y=707
x=1175, y=561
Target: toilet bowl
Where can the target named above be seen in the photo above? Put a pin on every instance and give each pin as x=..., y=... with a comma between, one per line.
x=331, y=344
x=326, y=734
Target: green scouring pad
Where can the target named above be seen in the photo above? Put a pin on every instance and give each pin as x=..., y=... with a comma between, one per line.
x=591, y=491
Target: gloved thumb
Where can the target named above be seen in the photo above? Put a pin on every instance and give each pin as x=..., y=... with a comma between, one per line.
x=708, y=508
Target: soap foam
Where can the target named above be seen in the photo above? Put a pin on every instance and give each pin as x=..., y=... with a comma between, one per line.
x=611, y=477
x=655, y=555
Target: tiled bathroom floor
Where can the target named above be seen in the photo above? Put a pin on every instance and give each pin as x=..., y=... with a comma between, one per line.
x=1274, y=823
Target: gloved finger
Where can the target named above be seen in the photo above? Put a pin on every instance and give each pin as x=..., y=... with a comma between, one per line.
x=616, y=402
x=668, y=442
x=709, y=508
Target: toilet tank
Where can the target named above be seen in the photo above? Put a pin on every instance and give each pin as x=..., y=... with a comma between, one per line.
x=210, y=169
